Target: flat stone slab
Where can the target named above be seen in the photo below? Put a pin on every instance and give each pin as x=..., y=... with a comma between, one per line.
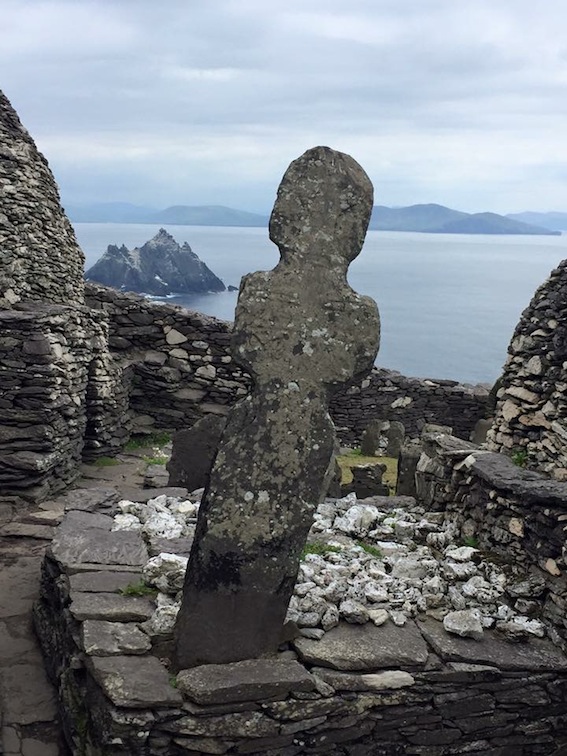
x=73, y=546
x=45, y=517
x=391, y=679
x=90, y=499
x=19, y=586
x=179, y=546
x=365, y=647
x=27, y=530
x=76, y=519
x=103, y=581
x=27, y=696
x=535, y=655
x=250, y=680
x=102, y=638
x=15, y=644
x=143, y=495
x=110, y=607
x=134, y=681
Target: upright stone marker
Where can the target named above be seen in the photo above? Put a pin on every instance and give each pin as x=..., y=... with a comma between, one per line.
x=301, y=332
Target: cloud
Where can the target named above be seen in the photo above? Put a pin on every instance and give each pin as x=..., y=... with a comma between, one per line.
x=459, y=103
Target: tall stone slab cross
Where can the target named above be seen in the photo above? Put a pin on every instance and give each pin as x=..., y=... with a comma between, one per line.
x=301, y=332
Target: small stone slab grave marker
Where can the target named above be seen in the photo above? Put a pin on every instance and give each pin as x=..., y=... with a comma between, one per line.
x=301, y=332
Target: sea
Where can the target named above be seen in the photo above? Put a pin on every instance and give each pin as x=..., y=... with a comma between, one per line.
x=448, y=303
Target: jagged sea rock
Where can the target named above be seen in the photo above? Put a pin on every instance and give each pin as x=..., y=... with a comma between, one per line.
x=159, y=267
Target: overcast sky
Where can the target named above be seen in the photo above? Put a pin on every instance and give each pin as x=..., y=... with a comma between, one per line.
x=460, y=102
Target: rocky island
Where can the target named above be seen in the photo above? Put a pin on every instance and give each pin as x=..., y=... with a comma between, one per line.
x=160, y=267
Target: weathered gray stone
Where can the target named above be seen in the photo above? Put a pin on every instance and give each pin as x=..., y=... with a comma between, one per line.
x=301, y=332
x=407, y=465
x=248, y=725
x=111, y=607
x=388, y=680
x=395, y=435
x=478, y=436
x=365, y=647
x=27, y=696
x=25, y=530
x=102, y=638
x=103, y=581
x=537, y=655
x=83, y=520
x=531, y=487
x=134, y=682
x=41, y=259
x=370, y=439
x=193, y=452
x=366, y=481
x=72, y=547
x=465, y=623
x=90, y=499
x=250, y=680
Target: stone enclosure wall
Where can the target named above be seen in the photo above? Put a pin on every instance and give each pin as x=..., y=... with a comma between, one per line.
x=180, y=361
x=60, y=401
x=64, y=397
x=386, y=691
x=183, y=369
x=125, y=364
x=388, y=395
x=41, y=260
x=531, y=412
x=516, y=514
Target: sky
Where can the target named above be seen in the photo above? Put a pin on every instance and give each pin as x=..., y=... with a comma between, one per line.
x=198, y=102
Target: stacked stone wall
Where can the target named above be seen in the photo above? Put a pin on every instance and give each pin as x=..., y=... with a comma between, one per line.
x=516, y=514
x=388, y=395
x=183, y=369
x=48, y=355
x=531, y=412
x=40, y=258
x=117, y=695
x=62, y=394
x=179, y=359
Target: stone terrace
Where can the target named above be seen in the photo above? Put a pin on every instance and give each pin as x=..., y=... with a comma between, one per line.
x=361, y=690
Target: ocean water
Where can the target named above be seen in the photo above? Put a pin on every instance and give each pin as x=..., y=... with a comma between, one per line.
x=448, y=303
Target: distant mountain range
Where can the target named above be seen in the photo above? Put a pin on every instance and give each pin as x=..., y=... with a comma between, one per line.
x=431, y=219
x=182, y=215
x=552, y=221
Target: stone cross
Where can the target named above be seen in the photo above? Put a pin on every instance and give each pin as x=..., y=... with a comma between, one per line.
x=301, y=332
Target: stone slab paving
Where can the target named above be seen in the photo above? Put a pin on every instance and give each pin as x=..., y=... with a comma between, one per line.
x=28, y=710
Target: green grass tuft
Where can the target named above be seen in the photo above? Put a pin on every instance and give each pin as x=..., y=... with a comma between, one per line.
x=320, y=548
x=106, y=462
x=471, y=541
x=372, y=550
x=138, y=589
x=520, y=457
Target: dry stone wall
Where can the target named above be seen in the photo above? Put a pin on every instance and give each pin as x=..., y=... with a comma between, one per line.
x=375, y=691
x=518, y=515
x=183, y=370
x=40, y=257
x=180, y=362
x=50, y=358
x=64, y=397
x=415, y=402
x=531, y=411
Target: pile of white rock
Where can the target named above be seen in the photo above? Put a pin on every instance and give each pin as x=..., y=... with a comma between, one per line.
x=373, y=560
